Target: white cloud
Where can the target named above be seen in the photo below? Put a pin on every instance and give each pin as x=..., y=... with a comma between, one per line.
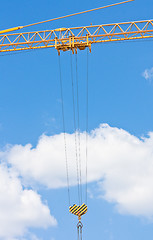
x=28, y=236
x=148, y=74
x=120, y=163
x=20, y=208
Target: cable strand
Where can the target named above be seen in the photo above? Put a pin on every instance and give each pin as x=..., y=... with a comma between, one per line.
x=63, y=118
x=78, y=116
x=87, y=100
x=75, y=132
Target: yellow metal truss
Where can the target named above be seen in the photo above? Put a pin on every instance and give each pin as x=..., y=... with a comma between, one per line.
x=76, y=38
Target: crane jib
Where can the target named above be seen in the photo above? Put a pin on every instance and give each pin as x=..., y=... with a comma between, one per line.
x=64, y=39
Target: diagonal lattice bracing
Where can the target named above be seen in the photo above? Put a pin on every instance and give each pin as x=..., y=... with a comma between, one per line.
x=77, y=37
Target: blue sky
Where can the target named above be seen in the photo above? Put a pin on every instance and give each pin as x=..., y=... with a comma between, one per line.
x=120, y=118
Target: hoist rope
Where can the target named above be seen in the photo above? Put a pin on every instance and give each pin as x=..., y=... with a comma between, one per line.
x=87, y=103
x=75, y=130
x=63, y=118
x=78, y=116
x=74, y=14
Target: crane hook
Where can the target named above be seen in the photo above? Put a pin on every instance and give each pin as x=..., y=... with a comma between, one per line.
x=79, y=228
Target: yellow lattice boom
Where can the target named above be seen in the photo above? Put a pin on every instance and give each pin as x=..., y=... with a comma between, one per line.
x=77, y=37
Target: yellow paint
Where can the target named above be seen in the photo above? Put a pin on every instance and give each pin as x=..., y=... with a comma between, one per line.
x=75, y=38
x=11, y=29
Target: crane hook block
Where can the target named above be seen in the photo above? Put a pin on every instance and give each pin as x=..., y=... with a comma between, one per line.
x=78, y=210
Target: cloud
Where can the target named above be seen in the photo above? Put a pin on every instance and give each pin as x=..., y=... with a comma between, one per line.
x=20, y=208
x=121, y=164
x=148, y=74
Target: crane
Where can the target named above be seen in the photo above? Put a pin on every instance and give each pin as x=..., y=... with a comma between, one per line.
x=63, y=39
x=74, y=39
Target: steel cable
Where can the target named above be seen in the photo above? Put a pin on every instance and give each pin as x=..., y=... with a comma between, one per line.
x=75, y=130
x=79, y=148
x=63, y=118
x=87, y=103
